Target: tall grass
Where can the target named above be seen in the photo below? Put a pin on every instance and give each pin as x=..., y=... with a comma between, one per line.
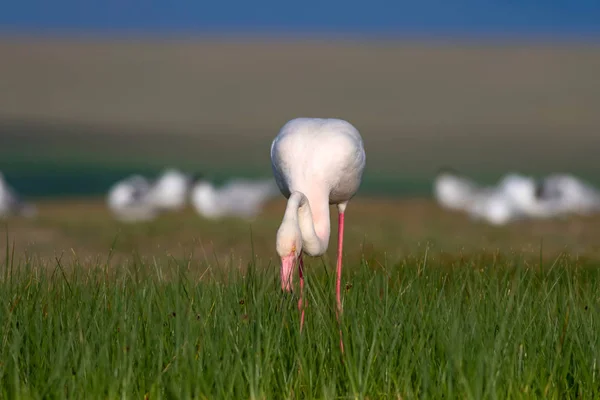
x=463, y=329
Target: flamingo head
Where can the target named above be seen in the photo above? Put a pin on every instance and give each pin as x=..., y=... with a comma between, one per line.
x=289, y=247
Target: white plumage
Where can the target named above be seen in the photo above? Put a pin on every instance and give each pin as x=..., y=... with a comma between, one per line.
x=523, y=192
x=571, y=194
x=129, y=200
x=323, y=159
x=517, y=197
x=11, y=203
x=170, y=191
x=242, y=198
x=453, y=191
x=493, y=206
x=316, y=162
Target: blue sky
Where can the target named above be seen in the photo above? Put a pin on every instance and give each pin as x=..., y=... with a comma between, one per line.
x=424, y=17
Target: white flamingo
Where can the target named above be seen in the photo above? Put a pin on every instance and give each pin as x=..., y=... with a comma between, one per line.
x=11, y=203
x=524, y=193
x=453, y=191
x=572, y=194
x=493, y=206
x=170, y=191
x=129, y=200
x=241, y=198
x=316, y=162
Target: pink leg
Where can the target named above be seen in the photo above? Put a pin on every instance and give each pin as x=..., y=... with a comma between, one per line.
x=301, y=304
x=338, y=283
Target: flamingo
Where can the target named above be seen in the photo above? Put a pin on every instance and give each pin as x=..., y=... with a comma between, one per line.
x=316, y=163
x=170, y=190
x=493, y=206
x=11, y=203
x=574, y=195
x=241, y=198
x=129, y=200
x=454, y=191
x=526, y=195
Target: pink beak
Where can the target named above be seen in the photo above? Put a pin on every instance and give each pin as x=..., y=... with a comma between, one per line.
x=287, y=269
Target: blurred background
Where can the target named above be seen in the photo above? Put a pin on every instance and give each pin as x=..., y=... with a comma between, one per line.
x=91, y=92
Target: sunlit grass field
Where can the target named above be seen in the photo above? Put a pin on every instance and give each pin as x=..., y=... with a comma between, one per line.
x=435, y=306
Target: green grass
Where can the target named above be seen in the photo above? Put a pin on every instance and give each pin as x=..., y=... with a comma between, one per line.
x=480, y=327
x=436, y=306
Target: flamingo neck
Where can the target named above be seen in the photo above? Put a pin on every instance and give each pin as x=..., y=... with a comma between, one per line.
x=313, y=223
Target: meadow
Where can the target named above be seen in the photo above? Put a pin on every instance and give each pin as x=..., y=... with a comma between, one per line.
x=435, y=305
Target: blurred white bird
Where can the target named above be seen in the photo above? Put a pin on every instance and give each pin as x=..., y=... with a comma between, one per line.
x=524, y=193
x=493, y=206
x=572, y=194
x=11, y=203
x=453, y=191
x=171, y=190
x=238, y=198
x=129, y=200
x=516, y=197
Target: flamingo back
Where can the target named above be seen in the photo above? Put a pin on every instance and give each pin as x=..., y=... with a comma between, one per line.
x=314, y=154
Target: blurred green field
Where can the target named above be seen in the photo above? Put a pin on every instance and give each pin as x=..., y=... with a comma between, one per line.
x=386, y=230
x=75, y=115
x=381, y=230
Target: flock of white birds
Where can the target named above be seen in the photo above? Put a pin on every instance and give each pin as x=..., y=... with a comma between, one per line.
x=136, y=198
x=516, y=197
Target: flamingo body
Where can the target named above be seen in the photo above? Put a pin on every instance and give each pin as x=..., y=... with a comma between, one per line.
x=316, y=162
x=237, y=198
x=493, y=206
x=572, y=194
x=453, y=191
x=11, y=203
x=129, y=200
x=318, y=157
x=323, y=160
x=170, y=191
x=524, y=193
